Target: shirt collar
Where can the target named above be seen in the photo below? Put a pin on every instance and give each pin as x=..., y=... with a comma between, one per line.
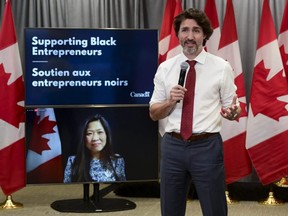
x=199, y=58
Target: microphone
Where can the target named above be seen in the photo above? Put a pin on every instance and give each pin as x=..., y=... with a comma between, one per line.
x=183, y=66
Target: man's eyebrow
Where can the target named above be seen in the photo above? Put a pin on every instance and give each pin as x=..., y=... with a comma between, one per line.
x=195, y=27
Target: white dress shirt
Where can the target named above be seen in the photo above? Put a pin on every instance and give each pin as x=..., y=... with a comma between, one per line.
x=214, y=89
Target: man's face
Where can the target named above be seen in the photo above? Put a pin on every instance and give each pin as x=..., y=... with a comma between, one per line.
x=191, y=37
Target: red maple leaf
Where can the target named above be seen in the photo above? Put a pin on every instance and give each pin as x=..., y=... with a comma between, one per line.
x=284, y=57
x=38, y=143
x=10, y=95
x=239, y=82
x=265, y=93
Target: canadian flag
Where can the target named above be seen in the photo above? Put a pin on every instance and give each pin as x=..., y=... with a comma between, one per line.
x=168, y=42
x=283, y=39
x=44, y=156
x=236, y=158
x=12, y=127
x=213, y=42
x=267, y=128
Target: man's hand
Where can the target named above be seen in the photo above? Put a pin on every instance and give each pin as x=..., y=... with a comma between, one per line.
x=177, y=93
x=233, y=112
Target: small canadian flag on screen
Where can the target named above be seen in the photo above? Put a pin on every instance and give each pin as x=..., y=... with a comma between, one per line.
x=44, y=159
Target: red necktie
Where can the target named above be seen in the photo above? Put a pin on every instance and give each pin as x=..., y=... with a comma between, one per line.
x=188, y=103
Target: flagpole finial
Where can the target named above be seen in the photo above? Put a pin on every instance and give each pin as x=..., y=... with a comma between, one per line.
x=10, y=204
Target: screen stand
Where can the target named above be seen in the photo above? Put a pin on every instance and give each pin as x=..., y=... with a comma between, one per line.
x=95, y=203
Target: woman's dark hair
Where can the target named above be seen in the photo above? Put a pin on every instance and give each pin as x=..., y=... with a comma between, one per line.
x=81, y=165
x=199, y=16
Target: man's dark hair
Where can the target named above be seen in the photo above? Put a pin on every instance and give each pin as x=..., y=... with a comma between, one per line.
x=199, y=16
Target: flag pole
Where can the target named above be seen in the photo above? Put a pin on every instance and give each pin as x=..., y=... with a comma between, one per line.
x=10, y=204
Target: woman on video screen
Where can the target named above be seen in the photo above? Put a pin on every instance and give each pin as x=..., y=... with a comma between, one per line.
x=94, y=161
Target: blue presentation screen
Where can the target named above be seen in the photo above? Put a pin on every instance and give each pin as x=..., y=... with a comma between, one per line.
x=89, y=66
